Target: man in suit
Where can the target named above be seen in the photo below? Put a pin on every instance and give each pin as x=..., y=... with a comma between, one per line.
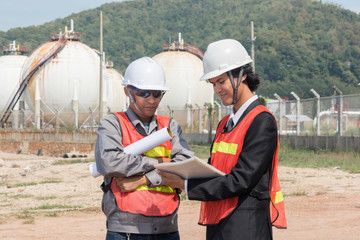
x=237, y=205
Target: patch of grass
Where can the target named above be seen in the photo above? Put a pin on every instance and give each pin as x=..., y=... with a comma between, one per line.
x=84, y=176
x=46, y=198
x=320, y=193
x=201, y=151
x=51, y=214
x=71, y=161
x=304, y=158
x=29, y=221
x=23, y=184
x=5, y=205
x=55, y=206
x=27, y=216
x=50, y=181
x=91, y=209
x=298, y=194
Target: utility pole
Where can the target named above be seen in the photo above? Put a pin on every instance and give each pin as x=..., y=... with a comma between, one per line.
x=101, y=70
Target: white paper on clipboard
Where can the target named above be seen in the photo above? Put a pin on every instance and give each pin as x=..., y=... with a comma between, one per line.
x=191, y=168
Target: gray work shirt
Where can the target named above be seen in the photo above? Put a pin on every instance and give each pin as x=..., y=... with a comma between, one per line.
x=111, y=161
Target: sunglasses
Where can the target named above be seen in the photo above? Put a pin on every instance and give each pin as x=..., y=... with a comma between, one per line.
x=146, y=93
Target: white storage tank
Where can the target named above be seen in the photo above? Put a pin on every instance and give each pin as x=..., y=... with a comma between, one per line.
x=10, y=68
x=115, y=90
x=66, y=86
x=183, y=68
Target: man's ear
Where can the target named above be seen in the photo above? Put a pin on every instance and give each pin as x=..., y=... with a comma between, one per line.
x=244, y=77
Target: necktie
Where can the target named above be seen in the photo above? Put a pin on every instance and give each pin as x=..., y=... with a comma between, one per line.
x=230, y=124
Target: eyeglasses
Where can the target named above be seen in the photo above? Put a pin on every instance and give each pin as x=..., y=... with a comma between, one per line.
x=146, y=93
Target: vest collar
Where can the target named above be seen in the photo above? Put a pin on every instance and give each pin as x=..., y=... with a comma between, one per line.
x=135, y=121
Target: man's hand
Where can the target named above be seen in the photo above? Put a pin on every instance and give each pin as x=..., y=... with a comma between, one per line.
x=129, y=184
x=172, y=180
x=164, y=160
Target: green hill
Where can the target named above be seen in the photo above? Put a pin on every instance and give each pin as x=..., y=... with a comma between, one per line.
x=300, y=44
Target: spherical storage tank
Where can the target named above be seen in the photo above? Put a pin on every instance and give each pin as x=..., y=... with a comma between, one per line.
x=69, y=81
x=116, y=96
x=183, y=71
x=10, y=69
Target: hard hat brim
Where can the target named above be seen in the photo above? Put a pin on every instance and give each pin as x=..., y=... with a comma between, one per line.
x=217, y=73
x=148, y=87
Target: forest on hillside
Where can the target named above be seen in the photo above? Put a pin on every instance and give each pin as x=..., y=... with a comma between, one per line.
x=300, y=44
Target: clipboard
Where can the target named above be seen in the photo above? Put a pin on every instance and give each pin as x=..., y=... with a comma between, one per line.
x=191, y=168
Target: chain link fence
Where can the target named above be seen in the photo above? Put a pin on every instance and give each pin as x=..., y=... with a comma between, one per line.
x=326, y=116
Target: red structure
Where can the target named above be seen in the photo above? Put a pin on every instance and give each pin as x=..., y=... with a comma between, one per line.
x=176, y=46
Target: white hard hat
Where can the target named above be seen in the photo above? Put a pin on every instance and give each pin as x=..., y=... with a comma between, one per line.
x=223, y=56
x=145, y=73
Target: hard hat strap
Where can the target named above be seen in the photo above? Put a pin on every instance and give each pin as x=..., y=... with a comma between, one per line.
x=237, y=84
x=132, y=100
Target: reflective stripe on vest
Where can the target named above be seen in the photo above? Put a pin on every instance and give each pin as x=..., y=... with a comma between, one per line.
x=159, y=189
x=277, y=206
x=228, y=148
x=278, y=197
x=159, y=151
x=149, y=201
x=224, y=155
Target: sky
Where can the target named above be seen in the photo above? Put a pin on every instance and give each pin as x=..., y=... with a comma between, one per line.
x=24, y=13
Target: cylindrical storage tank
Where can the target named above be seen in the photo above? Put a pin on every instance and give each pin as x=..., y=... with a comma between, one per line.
x=67, y=85
x=183, y=71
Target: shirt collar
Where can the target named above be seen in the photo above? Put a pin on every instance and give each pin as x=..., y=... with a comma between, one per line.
x=138, y=124
x=236, y=116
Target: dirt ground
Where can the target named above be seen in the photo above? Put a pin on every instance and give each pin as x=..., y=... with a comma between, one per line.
x=55, y=198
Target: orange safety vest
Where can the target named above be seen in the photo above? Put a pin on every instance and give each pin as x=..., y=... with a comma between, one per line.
x=224, y=155
x=148, y=201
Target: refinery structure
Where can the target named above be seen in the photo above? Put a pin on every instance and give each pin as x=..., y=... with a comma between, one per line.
x=57, y=86
x=182, y=64
x=64, y=86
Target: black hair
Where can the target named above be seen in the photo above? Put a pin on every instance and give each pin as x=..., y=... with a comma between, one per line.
x=252, y=79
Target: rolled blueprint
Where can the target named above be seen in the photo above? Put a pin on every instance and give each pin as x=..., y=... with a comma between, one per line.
x=139, y=147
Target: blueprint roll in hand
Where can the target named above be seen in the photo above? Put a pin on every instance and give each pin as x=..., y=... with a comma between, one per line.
x=143, y=145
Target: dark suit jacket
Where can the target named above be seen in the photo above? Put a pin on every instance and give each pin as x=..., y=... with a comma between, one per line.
x=251, y=218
